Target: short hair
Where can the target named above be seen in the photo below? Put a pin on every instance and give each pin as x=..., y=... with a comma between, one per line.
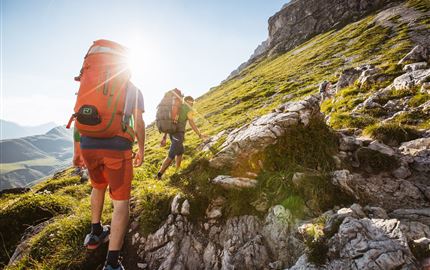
x=188, y=98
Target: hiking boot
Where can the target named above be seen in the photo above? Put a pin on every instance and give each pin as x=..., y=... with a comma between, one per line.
x=84, y=175
x=159, y=175
x=77, y=171
x=108, y=267
x=93, y=241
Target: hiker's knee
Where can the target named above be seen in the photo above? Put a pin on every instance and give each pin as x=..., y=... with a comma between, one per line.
x=99, y=190
x=121, y=205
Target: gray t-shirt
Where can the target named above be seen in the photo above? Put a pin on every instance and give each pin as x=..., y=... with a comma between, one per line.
x=133, y=99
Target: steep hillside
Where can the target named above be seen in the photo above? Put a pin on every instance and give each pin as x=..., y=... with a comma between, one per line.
x=27, y=159
x=279, y=185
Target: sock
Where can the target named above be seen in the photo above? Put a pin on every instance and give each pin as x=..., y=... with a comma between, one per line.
x=96, y=228
x=112, y=258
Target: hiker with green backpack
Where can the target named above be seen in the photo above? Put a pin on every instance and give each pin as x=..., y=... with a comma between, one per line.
x=173, y=113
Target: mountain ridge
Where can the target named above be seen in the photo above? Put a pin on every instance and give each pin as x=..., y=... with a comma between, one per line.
x=11, y=130
x=28, y=159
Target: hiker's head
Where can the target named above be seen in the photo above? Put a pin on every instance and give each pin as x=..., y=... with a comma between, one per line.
x=189, y=100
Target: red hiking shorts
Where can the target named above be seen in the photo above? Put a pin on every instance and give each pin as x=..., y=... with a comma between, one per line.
x=111, y=168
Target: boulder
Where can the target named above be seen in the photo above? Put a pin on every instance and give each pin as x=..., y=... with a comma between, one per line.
x=415, y=66
x=252, y=139
x=350, y=75
x=421, y=215
x=411, y=79
x=229, y=182
x=349, y=143
x=363, y=243
x=419, y=151
x=371, y=244
x=381, y=148
x=380, y=190
x=425, y=88
x=419, y=53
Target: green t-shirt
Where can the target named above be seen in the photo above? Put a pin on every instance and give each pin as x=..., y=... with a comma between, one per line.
x=185, y=113
x=76, y=135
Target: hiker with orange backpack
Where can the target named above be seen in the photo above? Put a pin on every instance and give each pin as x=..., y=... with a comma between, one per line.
x=173, y=120
x=108, y=115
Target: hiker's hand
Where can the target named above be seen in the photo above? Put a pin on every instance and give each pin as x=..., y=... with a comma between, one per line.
x=139, y=158
x=163, y=142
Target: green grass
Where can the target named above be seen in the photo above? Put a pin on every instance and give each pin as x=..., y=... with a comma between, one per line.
x=392, y=133
x=23, y=211
x=8, y=167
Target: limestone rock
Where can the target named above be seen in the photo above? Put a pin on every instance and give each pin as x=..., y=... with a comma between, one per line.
x=244, y=242
x=185, y=209
x=349, y=143
x=425, y=88
x=250, y=140
x=419, y=150
x=382, y=148
x=298, y=21
x=419, y=53
x=350, y=75
x=411, y=79
x=371, y=244
x=402, y=172
x=415, y=66
x=421, y=215
x=380, y=190
x=229, y=182
x=363, y=243
x=174, y=208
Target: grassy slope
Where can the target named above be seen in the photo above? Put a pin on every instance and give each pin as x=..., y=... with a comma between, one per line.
x=256, y=91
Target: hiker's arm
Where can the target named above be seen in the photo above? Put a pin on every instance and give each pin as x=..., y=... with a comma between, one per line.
x=196, y=130
x=140, y=134
x=163, y=140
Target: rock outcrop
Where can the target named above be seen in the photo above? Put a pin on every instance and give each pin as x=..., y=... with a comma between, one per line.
x=366, y=238
x=245, y=242
x=300, y=20
x=250, y=140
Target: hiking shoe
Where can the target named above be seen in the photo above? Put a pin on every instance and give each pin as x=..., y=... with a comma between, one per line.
x=84, y=175
x=159, y=175
x=108, y=267
x=93, y=241
x=77, y=171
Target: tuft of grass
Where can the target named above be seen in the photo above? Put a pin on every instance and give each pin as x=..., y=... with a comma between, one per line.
x=152, y=203
x=296, y=205
x=53, y=185
x=418, y=99
x=346, y=120
x=391, y=133
x=27, y=210
x=316, y=243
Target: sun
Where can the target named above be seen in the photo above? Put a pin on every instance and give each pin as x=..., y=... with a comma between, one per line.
x=137, y=54
x=136, y=61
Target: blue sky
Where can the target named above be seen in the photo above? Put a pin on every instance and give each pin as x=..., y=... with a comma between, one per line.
x=192, y=45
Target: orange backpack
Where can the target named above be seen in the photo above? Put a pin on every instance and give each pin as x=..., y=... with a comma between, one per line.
x=102, y=92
